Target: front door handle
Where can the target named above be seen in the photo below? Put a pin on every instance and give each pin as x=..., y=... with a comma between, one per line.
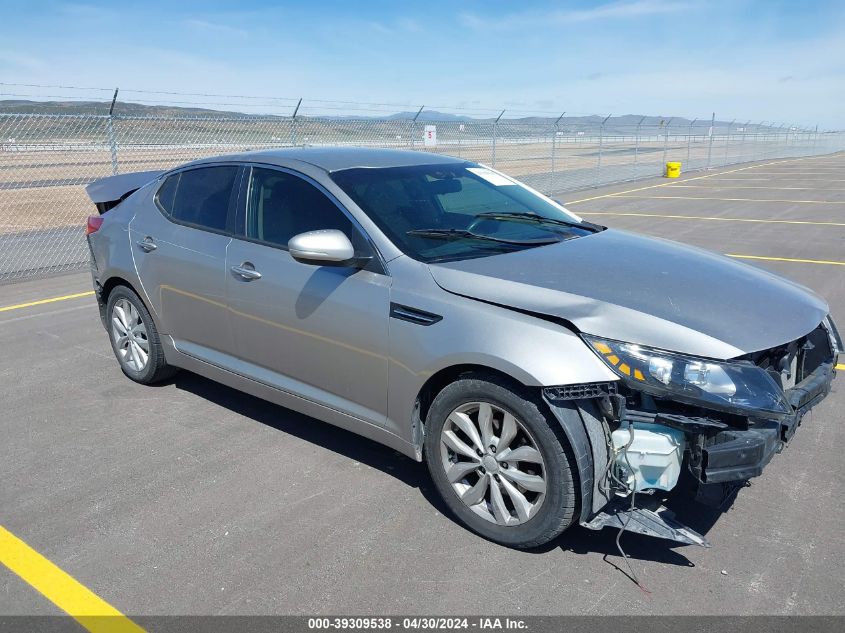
x=247, y=271
x=147, y=245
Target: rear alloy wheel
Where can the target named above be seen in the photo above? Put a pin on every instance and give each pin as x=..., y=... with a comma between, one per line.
x=500, y=461
x=132, y=344
x=134, y=338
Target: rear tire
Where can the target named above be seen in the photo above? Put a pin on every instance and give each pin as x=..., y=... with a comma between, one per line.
x=134, y=338
x=473, y=427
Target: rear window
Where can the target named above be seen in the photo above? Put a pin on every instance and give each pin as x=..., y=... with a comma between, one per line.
x=199, y=196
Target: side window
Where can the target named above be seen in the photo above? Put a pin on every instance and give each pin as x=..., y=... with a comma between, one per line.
x=166, y=193
x=281, y=205
x=199, y=196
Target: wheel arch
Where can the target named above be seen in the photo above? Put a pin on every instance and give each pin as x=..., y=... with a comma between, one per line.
x=105, y=288
x=585, y=450
x=441, y=378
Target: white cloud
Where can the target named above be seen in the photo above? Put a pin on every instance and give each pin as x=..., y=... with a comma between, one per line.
x=613, y=10
x=406, y=25
x=21, y=61
x=215, y=29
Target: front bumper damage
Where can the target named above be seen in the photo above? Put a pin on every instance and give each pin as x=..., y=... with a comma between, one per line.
x=723, y=448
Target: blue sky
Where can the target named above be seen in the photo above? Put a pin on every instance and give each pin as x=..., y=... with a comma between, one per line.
x=748, y=59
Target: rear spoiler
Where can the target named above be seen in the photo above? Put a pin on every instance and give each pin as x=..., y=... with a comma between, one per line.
x=109, y=192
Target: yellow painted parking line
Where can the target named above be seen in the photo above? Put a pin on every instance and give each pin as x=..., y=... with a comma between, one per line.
x=789, y=170
x=50, y=300
x=710, y=218
x=787, y=259
x=731, y=199
x=757, y=187
x=87, y=608
x=840, y=366
x=667, y=184
x=715, y=179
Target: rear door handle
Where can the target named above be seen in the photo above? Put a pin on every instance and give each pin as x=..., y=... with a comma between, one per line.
x=147, y=245
x=247, y=271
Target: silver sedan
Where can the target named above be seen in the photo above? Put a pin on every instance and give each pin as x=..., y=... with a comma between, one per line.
x=546, y=369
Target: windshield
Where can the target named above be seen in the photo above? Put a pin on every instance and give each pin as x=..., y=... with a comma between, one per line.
x=448, y=212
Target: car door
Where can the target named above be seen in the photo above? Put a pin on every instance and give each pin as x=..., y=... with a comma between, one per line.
x=179, y=250
x=319, y=332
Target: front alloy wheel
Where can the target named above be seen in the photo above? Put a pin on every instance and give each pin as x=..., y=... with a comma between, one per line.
x=500, y=460
x=493, y=463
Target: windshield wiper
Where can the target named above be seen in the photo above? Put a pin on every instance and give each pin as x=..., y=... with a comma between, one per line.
x=535, y=218
x=457, y=234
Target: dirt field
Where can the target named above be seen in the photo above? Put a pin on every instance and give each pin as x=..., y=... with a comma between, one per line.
x=45, y=189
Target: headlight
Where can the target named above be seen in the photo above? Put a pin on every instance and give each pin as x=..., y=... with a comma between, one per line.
x=718, y=385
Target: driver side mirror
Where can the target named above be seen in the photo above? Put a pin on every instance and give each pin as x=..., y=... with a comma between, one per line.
x=324, y=247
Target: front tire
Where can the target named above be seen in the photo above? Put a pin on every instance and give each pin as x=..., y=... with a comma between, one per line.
x=501, y=464
x=134, y=338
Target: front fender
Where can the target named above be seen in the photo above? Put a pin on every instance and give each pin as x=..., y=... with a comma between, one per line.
x=533, y=351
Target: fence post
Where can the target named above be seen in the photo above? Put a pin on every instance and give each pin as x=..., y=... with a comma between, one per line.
x=742, y=140
x=689, y=139
x=554, y=142
x=495, y=125
x=816, y=140
x=414, y=127
x=111, y=134
x=601, y=147
x=666, y=141
x=710, y=146
x=728, y=141
x=293, y=123
x=637, y=143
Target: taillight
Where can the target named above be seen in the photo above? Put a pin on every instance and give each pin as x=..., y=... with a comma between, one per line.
x=94, y=224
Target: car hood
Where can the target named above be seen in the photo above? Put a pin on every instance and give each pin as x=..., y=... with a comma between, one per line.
x=644, y=290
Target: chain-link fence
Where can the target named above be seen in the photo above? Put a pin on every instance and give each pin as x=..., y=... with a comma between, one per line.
x=46, y=159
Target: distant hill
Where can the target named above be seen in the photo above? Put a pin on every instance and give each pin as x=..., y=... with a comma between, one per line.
x=15, y=106
x=432, y=115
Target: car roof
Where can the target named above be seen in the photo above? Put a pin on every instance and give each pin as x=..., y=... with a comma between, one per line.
x=337, y=158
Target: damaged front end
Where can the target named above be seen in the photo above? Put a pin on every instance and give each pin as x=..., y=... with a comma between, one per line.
x=718, y=423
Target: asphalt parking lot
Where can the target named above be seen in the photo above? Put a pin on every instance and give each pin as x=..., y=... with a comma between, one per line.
x=191, y=498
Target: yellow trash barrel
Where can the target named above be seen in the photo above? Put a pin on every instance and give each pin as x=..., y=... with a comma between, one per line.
x=673, y=170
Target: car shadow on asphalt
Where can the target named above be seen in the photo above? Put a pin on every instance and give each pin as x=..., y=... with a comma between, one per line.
x=577, y=539
x=310, y=429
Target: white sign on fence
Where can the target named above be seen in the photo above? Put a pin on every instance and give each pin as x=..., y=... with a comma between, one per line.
x=430, y=136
